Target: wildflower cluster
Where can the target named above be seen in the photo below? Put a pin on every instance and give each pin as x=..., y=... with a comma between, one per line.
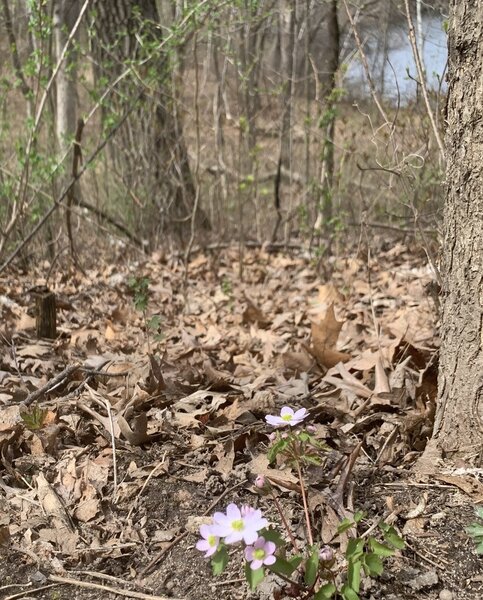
x=238, y=524
x=308, y=570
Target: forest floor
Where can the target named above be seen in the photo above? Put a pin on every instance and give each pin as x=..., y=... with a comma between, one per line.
x=158, y=420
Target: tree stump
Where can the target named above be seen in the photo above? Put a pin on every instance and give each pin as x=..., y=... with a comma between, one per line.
x=46, y=316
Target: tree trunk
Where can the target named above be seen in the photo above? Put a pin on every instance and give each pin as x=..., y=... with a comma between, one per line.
x=458, y=426
x=150, y=150
x=65, y=15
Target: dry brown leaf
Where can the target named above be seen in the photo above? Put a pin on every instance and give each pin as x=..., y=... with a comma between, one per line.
x=300, y=362
x=89, y=505
x=283, y=478
x=252, y=314
x=64, y=534
x=37, y=350
x=110, y=332
x=382, y=383
x=327, y=296
x=24, y=322
x=137, y=435
x=324, y=339
x=419, y=509
x=414, y=526
x=468, y=483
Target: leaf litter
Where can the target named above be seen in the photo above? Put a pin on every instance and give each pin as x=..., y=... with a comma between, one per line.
x=118, y=436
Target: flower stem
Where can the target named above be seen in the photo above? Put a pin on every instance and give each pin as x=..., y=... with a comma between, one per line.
x=284, y=521
x=304, y=500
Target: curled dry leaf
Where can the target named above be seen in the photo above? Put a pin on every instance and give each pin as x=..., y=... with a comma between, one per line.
x=324, y=339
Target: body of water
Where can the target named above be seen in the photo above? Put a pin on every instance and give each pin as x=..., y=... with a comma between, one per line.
x=397, y=72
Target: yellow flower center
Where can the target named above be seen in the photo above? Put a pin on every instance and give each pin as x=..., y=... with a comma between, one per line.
x=287, y=417
x=211, y=540
x=259, y=554
x=238, y=525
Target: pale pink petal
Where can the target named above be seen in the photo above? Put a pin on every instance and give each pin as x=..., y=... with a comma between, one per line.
x=202, y=545
x=233, y=512
x=270, y=547
x=275, y=421
x=300, y=414
x=249, y=553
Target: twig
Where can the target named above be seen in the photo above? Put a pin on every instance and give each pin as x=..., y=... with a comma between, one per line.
x=422, y=80
x=32, y=591
x=106, y=588
x=65, y=192
x=346, y=473
x=284, y=521
x=76, y=159
x=96, y=574
x=67, y=372
x=84, y=204
x=304, y=501
x=365, y=64
x=20, y=194
x=113, y=437
x=431, y=562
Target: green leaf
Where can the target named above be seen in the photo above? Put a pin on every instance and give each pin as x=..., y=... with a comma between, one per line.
x=285, y=567
x=479, y=548
x=34, y=417
x=475, y=529
x=391, y=536
x=344, y=525
x=325, y=592
x=359, y=516
x=272, y=535
x=348, y=593
x=355, y=547
x=219, y=561
x=479, y=511
x=154, y=323
x=373, y=564
x=253, y=576
x=303, y=436
x=311, y=460
x=277, y=448
x=354, y=575
x=380, y=549
x=312, y=566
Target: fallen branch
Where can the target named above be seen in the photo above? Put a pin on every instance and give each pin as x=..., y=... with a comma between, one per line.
x=106, y=588
x=67, y=372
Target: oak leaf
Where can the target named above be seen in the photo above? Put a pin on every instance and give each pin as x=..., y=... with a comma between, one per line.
x=324, y=338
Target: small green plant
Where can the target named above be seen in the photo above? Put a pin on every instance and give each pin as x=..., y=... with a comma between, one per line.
x=140, y=289
x=475, y=530
x=34, y=417
x=227, y=287
x=308, y=569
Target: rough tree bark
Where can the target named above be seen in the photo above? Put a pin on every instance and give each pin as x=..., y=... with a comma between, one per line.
x=151, y=152
x=65, y=15
x=458, y=426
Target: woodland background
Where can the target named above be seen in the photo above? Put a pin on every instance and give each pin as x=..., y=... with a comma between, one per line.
x=220, y=122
